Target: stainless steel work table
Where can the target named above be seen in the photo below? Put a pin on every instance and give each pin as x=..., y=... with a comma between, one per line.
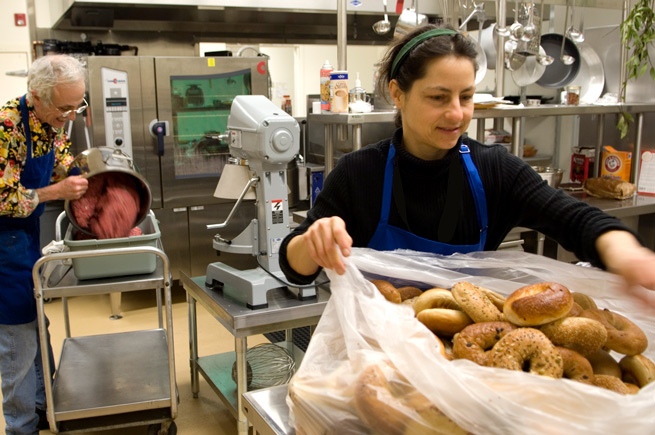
x=285, y=312
x=268, y=412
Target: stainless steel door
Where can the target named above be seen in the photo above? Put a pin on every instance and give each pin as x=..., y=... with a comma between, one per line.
x=194, y=96
x=121, y=92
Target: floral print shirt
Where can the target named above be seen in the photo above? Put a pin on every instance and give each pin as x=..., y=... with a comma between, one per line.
x=15, y=199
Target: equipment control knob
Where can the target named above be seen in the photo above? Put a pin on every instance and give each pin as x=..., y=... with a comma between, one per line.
x=282, y=140
x=118, y=141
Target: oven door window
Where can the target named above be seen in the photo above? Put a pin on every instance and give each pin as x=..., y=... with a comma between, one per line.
x=201, y=105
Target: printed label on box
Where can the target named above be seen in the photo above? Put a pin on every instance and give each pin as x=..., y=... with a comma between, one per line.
x=647, y=173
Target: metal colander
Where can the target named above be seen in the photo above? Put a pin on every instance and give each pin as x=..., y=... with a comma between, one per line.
x=267, y=365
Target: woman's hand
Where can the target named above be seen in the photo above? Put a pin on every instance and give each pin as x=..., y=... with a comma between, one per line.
x=622, y=254
x=319, y=246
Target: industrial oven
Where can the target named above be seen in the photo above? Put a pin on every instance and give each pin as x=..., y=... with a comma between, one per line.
x=167, y=113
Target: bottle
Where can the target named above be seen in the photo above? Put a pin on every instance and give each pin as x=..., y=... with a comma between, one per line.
x=286, y=104
x=326, y=69
x=359, y=102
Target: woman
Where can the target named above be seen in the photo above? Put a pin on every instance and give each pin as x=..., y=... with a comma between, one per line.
x=430, y=188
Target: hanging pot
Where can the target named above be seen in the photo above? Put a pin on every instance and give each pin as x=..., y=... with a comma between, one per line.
x=488, y=43
x=530, y=71
x=102, y=160
x=557, y=74
x=591, y=77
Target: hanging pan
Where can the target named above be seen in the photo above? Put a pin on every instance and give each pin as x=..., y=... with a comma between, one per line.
x=530, y=71
x=591, y=77
x=557, y=74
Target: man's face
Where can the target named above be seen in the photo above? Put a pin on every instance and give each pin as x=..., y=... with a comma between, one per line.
x=65, y=97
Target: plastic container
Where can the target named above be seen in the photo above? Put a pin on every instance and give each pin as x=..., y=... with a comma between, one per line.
x=339, y=91
x=326, y=69
x=107, y=266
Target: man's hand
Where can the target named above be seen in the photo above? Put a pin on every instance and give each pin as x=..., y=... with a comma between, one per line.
x=73, y=187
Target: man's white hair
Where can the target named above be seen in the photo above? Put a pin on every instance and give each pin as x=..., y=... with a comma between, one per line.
x=49, y=71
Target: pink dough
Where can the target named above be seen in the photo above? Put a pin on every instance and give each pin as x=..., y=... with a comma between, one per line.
x=84, y=208
x=110, y=207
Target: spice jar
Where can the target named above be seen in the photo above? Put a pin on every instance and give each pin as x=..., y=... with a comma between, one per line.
x=572, y=95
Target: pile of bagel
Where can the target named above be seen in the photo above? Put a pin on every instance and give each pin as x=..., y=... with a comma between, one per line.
x=542, y=328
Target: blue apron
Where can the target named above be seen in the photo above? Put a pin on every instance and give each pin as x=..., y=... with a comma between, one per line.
x=388, y=237
x=20, y=246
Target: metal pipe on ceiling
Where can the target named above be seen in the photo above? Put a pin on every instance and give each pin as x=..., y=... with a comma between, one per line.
x=342, y=35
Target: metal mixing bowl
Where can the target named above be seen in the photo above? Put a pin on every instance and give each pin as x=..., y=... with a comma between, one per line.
x=552, y=175
x=99, y=160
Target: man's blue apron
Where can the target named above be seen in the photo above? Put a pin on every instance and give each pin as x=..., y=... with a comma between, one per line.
x=20, y=246
x=388, y=237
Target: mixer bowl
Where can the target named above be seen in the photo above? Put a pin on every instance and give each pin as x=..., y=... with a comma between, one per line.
x=100, y=160
x=552, y=175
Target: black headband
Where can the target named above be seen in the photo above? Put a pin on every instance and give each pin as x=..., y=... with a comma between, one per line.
x=400, y=58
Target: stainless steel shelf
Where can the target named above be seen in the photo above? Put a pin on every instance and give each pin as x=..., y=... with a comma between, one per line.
x=352, y=118
x=507, y=111
x=105, y=375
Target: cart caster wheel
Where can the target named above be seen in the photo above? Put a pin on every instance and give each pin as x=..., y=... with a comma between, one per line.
x=47, y=300
x=156, y=429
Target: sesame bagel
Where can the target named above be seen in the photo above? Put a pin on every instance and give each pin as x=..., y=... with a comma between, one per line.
x=527, y=349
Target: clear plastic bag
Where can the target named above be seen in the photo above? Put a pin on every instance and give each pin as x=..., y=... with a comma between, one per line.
x=359, y=328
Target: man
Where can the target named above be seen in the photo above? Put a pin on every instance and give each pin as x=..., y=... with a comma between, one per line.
x=34, y=157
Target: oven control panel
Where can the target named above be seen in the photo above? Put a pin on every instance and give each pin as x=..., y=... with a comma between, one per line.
x=116, y=110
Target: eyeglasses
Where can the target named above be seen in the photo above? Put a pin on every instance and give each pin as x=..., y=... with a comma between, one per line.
x=79, y=110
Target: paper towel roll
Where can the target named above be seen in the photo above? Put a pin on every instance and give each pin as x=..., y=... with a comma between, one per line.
x=232, y=182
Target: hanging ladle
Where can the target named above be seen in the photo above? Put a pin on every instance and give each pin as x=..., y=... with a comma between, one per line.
x=565, y=58
x=383, y=26
x=516, y=29
x=543, y=59
x=573, y=33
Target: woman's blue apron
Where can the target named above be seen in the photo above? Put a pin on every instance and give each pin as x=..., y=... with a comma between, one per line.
x=20, y=245
x=388, y=237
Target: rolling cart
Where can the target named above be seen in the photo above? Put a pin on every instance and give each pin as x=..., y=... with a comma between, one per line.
x=113, y=380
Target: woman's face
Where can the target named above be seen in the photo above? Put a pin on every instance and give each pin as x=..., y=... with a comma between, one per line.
x=438, y=108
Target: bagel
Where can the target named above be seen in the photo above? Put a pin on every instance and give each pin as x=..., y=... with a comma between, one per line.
x=538, y=304
x=632, y=388
x=474, y=341
x=388, y=290
x=444, y=321
x=377, y=406
x=436, y=298
x=475, y=301
x=604, y=364
x=585, y=301
x=623, y=336
x=408, y=292
x=576, y=310
x=527, y=348
x=637, y=369
x=584, y=335
x=431, y=420
x=611, y=383
x=576, y=367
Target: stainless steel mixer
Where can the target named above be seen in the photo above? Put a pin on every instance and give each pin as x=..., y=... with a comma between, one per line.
x=268, y=139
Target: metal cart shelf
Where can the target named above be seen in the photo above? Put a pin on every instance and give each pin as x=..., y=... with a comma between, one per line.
x=284, y=312
x=113, y=380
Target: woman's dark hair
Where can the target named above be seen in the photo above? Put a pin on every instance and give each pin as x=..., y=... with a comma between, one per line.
x=414, y=65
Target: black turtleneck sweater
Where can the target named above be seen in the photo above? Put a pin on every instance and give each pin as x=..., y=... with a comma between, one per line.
x=516, y=197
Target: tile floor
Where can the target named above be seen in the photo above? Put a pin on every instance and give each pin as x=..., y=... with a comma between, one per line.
x=89, y=315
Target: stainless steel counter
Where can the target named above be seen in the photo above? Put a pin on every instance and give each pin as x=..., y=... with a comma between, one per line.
x=285, y=312
x=268, y=412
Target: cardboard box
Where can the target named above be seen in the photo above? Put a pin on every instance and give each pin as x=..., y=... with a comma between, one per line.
x=582, y=164
x=616, y=164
